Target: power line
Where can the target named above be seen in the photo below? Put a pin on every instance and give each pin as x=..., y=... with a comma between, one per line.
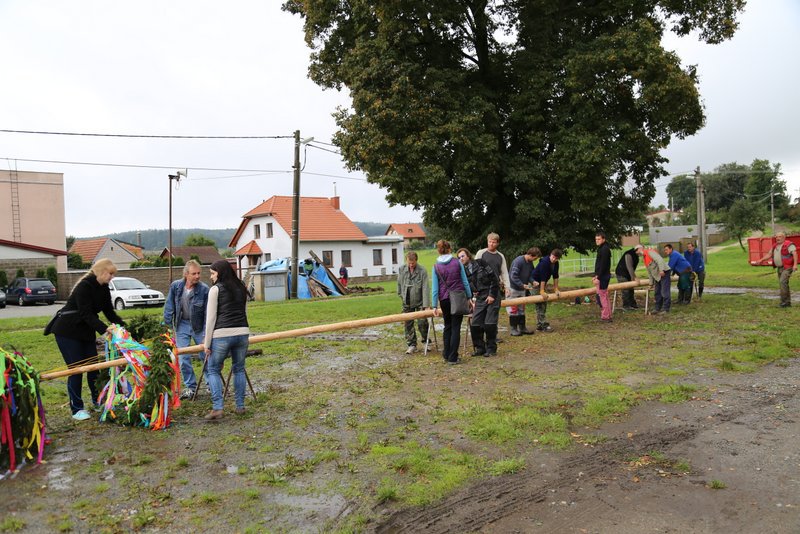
x=135, y=166
x=143, y=136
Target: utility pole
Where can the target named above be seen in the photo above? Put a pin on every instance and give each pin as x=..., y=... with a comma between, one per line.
x=177, y=178
x=701, y=214
x=772, y=206
x=295, y=215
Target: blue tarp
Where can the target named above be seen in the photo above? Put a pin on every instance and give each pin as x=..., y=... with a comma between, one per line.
x=318, y=272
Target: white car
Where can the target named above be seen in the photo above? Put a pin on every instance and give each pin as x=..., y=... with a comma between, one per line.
x=130, y=292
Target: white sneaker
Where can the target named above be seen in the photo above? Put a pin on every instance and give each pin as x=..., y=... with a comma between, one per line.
x=81, y=415
x=411, y=349
x=187, y=394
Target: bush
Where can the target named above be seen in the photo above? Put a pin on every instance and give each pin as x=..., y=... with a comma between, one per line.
x=52, y=275
x=20, y=273
x=3, y=278
x=40, y=273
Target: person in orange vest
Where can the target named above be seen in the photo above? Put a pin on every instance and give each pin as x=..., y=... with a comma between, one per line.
x=658, y=271
x=784, y=257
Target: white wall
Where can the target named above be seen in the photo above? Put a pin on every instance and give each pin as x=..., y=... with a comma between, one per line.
x=280, y=246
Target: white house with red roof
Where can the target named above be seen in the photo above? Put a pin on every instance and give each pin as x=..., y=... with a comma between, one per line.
x=410, y=232
x=265, y=234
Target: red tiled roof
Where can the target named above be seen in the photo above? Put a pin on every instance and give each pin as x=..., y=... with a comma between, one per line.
x=320, y=220
x=88, y=248
x=249, y=249
x=136, y=250
x=408, y=230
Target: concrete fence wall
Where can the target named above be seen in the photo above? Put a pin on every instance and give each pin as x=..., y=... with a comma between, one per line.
x=155, y=277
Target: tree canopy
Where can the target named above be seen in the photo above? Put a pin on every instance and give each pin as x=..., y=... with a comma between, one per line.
x=198, y=240
x=759, y=183
x=542, y=121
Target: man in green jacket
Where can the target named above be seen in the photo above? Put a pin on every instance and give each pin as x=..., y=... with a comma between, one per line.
x=415, y=292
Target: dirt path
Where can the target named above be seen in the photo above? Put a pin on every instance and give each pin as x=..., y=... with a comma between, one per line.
x=744, y=436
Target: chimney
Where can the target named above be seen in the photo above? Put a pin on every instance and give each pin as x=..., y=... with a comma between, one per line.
x=139, y=238
x=335, y=202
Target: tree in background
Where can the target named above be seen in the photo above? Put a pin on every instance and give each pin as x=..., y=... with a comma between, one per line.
x=682, y=192
x=542, y=121
x=52, y=275
x=742, y=217
x=75, y=261
x=728, y=183
x=198, y=240
x=70, y=241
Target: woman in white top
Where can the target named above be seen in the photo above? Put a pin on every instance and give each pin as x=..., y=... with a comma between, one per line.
x=227, y=332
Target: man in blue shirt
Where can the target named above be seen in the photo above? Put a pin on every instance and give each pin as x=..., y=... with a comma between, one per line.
x=695, y=259
x=678, y=265
x=185, y=312
x=547, y=267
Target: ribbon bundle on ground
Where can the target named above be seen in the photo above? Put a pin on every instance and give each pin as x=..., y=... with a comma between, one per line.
x=146, y=390
x=22, y=422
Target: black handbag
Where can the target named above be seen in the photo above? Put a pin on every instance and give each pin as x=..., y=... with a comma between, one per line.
x=459, y=303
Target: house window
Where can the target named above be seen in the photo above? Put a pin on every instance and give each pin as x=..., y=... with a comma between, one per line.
x=257, y=231
x=377, y=256
x=394, y=256
x=346, y=260
x=268, y=229
x=267, y=256
x=327, y=258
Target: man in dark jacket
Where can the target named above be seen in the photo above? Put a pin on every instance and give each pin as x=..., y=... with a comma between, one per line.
x=521, y=277
x=547, y=267
x=626, y=272
x=185, y=311
x=485, y=286
x=414, y=290
x=602, y=274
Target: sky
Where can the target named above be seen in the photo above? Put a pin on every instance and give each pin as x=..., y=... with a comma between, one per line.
x=201, y=68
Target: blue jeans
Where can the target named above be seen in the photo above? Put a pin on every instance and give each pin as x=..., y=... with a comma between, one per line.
x=663, y=289
x=77, y=351
x=236, y=346
x=184, y=335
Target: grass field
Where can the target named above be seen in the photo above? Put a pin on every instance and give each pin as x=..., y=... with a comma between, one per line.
x=348, y=418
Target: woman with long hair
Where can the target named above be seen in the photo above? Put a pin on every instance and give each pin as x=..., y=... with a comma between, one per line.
x=448, y=276
x=227, y=333
x=77, y=324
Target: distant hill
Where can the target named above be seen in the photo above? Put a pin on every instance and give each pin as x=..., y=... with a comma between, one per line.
x=158, y=239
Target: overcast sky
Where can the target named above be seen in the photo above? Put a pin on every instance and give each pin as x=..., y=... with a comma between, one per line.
x=240, y=69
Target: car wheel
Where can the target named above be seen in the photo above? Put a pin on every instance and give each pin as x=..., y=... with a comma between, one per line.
x=3, y=305
x=119, y=304
x=21, y=301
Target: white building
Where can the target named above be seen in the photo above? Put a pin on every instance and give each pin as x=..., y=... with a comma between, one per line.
x=265, y=234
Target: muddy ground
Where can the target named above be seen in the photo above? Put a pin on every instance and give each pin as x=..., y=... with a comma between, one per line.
x=303, y=457
x=744, y=435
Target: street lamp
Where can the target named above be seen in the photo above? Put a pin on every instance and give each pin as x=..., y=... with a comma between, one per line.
x=177, y=177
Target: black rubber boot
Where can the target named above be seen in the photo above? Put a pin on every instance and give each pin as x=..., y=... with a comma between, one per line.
x=524, y=329
x=513, y=320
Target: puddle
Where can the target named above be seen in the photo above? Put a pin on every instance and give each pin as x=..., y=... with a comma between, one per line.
x=771, y=294
x=57, y=479
x=309, y=507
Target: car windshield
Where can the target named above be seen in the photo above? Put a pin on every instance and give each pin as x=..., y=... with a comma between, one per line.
x=40, y=284
x=129, y=284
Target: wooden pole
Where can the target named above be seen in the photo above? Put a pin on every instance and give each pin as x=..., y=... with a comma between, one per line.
x=358, y=323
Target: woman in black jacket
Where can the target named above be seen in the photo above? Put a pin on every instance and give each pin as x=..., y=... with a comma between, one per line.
x=78, y=324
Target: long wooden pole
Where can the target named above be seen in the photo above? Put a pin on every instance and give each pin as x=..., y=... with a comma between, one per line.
x=358, y=323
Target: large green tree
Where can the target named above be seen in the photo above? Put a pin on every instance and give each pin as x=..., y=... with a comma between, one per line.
x=541, y=120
